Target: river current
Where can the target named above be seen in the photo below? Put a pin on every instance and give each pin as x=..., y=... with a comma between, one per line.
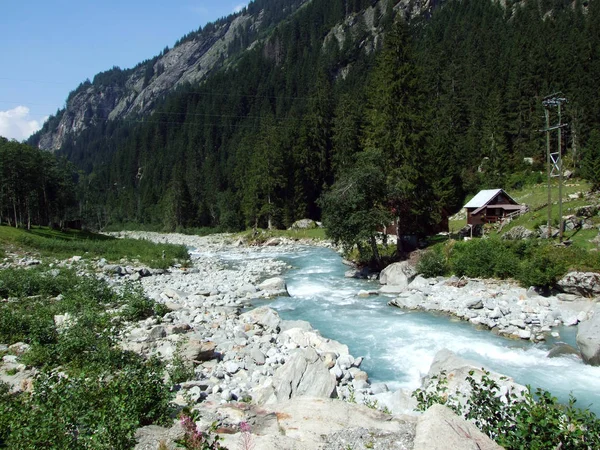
x=398, y=345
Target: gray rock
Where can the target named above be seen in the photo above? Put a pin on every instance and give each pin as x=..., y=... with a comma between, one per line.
x=264, y=316
x=231, y=367
x=151, y=436
x=518, y=233
x=112, y=268
x=475, y=303
x=440, y=429
x=561, y=349
x=588, y=340
x=303, y=374
x=586, y=284
x=157, y=333
x=197, y=351
x=304, y=224
x=289, y=324
x=398, y=274
x=414, y=301
x=257, y=356
x=274, y=287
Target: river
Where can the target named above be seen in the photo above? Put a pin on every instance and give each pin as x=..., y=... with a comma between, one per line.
x=398, y=345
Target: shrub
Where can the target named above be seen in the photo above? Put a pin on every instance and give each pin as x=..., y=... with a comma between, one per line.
x=87, y=412
x=432, y=264
x=517, y=421
x=475, y=258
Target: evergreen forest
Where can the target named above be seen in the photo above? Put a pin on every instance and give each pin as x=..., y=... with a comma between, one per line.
x=397, y=120
x=36, y=187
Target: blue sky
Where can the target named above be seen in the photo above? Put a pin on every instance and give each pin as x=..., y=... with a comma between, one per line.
x=48, y=47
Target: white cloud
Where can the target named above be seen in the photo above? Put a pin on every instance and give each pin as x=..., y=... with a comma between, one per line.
x=17, y=124
x=239, y=7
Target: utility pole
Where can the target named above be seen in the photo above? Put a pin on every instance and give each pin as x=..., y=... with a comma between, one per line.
x=554, y=159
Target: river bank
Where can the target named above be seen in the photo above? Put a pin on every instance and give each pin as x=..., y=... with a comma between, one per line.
x=253, y=366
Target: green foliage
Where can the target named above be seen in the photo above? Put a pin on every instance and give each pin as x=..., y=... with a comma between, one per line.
x=196, y=439
x=87, y=412
x=532, y=263
x=179, y=369
x=101, y=394
x=516, y=420
x=432, y=264
x=591, y=160
x=354, y=208
x=57, y=244
x=35, y=186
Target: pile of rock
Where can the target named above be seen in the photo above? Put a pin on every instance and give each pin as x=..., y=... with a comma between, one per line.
x=505, y=308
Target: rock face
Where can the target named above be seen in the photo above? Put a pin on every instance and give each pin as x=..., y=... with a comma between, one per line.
x=517, y=233
x=304, y=374
x=586, y=284
x=309, y=423
x=440, y=429
x=304, y=224
x=588, y=340
x=116, y=94
x=398, y=275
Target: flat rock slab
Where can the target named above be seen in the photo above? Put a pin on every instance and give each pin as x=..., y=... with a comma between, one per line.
x=309, y=423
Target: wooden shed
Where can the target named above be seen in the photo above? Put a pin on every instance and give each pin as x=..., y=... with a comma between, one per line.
x=490, y=206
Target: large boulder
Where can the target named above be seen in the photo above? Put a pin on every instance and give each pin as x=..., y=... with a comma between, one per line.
x=264, y=317
x=586, y=284
x=457, y=371
x=322, y=424
x=398, y=274
x=304, y=374
x=440, y=429
x=588, y=340
x=518, y=233
x=197, y=351
x=274, y=287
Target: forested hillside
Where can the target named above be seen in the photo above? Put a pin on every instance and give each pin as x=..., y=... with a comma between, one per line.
x=387, y=118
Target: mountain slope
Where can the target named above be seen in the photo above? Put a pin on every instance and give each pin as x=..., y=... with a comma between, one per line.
x=289, y=112
x=116, y=93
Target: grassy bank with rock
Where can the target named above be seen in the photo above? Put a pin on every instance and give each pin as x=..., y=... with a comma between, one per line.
x=531, y=262
x=48, y=244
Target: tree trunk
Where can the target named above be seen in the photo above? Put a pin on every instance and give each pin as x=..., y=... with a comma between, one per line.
x=375, y=250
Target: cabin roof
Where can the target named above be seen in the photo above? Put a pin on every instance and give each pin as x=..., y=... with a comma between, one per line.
x=486, y=196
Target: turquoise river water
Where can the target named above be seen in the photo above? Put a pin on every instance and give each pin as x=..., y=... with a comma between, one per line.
x=399, y=346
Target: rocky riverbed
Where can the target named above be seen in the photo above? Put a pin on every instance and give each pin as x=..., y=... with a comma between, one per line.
x=281, y=377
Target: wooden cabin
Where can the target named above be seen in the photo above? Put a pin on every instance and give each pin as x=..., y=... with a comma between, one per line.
x=490, y=206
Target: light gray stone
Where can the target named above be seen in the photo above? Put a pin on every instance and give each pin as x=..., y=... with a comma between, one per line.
x=585, y=284
x=264, y=316
x=440, y=429
x=398, y=274
x=588, y=339
x=274, y=287
x=303, y=374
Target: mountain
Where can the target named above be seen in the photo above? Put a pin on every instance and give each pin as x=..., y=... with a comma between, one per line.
x=250, y=120
x=116, y=93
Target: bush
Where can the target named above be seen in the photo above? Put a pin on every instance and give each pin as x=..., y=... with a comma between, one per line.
x=432, y=264
x=106, y=394
x=517, y=421
x=86, y=412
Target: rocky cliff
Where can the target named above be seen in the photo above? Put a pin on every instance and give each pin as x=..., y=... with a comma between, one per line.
x=117, y=94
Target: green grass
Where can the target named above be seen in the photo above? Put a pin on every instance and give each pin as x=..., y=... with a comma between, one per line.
x=50, y=243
